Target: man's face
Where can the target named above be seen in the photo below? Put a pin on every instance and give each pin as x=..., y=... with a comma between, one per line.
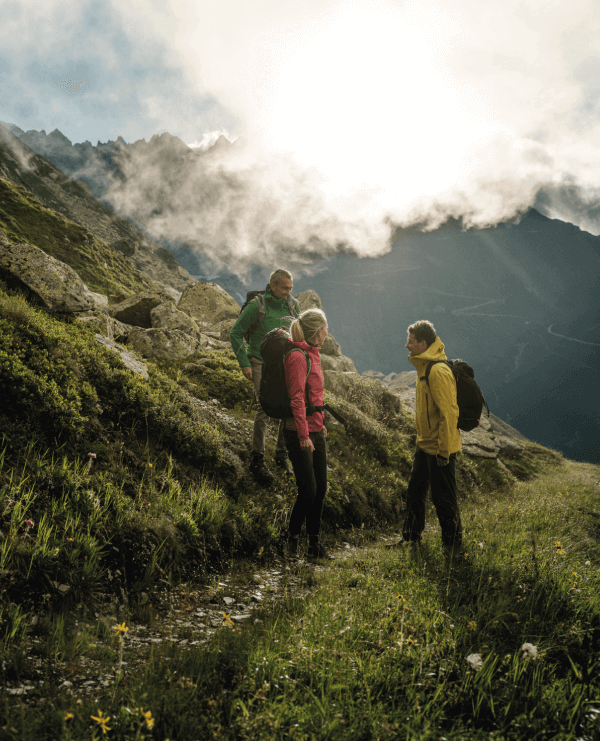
x=414, y=347
x=283, y=290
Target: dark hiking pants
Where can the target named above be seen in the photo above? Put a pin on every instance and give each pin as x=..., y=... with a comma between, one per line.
x=310, y=470
x=426, y=472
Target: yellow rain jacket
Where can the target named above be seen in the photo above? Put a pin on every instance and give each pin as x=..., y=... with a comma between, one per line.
x=437, y=409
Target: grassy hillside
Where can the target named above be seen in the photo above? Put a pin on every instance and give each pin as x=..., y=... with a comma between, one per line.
x=23, y=218
x=126, y=502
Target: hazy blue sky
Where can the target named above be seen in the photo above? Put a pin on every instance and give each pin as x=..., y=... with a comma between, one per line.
x=396, y=110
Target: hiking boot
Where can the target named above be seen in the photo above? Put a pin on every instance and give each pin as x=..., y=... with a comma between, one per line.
x=258, y=468
x=292, y=549
x=282, y=462
x=318, y=552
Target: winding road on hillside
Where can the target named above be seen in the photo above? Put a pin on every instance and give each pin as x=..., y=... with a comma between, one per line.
x=572, y=339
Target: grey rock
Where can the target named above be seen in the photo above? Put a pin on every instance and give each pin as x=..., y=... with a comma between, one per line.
x=340, y=364
x=208, y=302
x=51, y=281
x=308, y=300
x=104, y=324
x=164, y=343
x=137, y=309
x=331, y=347
x=129, y=360
x=168, y=316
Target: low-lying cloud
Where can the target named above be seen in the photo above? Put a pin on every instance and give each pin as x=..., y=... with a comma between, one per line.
x=358, y=116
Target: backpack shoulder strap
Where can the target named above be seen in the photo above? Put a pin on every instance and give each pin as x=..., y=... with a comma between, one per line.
x=306, y=357
x=262, y=310
x=293, y=306
x=428, y=369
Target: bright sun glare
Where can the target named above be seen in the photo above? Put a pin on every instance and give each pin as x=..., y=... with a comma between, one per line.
x=366, y=100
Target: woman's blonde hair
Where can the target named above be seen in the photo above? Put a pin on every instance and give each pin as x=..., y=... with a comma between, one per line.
x=306, y=326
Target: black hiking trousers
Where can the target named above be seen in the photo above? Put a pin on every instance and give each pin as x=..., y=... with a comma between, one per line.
x=426, y=472
x=310, y=470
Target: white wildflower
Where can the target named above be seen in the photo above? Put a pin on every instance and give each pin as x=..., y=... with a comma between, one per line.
x=475, y=661
x=529, y=651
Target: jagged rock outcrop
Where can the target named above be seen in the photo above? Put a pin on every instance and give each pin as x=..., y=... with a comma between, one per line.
x=331, y=355
x=137, y=309
x=208, y=302
x=308, y=300
x=51, y=281
x=165, y=343
x=22, y=162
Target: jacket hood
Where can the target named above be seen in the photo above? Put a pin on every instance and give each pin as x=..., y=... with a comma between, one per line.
x=435, y=351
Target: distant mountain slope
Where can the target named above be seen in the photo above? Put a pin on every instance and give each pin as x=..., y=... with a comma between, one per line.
x=520, y=302
x=73, y=199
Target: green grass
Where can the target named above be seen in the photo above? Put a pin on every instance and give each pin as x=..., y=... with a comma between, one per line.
x=378, y=646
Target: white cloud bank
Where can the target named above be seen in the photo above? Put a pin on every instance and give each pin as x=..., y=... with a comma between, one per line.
x=365, y=114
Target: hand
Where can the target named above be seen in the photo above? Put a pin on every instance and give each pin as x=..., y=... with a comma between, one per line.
x=248, y=373
x=442, y=461
x=324, y=431
x=307, y=445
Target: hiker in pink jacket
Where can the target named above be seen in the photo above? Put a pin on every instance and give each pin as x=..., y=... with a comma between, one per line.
x=305, y=434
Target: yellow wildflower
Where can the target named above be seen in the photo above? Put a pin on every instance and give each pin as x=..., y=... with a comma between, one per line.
x=472, y=625
x=68, y=716
x=120, y=628
x=227, y=619
x=148, y=718
x=101, y=721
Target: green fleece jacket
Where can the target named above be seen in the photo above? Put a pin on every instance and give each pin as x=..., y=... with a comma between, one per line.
x=276, y=310
x=437, y=408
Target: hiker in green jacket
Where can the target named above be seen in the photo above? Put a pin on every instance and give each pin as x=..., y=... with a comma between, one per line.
x=257, y=318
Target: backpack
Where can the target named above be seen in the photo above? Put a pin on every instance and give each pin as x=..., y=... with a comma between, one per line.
x=259, y=297
x=468, y=394
x=273, y=394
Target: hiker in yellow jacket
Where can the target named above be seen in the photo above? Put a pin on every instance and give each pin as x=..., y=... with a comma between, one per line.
x=438, y=440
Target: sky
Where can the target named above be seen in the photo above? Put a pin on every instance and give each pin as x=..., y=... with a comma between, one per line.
x=375, y=113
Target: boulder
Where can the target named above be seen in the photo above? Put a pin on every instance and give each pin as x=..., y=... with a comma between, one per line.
x=104, y=324
x=100, y=300
x=208, y=302
x=365, y=393
x=50, y=281
x=331, y=347
x=130, y=360
x=168, y=316
x=165, y=343
x=308, y=300
x=341, y=364
x=136, y=310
